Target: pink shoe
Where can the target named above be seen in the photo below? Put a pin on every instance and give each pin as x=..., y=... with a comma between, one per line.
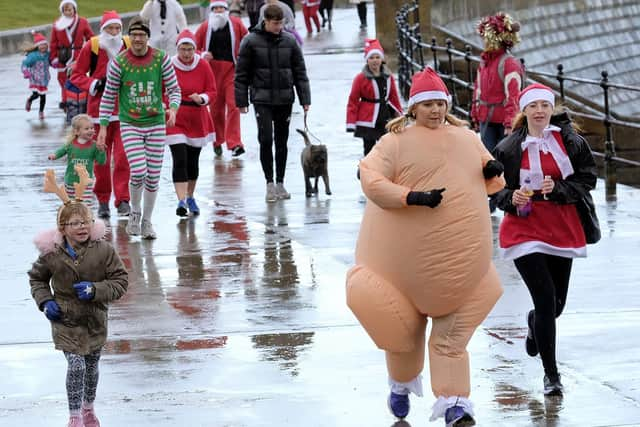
x=75, y=421
x=41, y=115
x=89, y=418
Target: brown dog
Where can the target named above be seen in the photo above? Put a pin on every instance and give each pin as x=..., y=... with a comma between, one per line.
x=314, y=165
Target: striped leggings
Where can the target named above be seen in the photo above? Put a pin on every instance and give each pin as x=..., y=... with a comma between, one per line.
x=82, y=378
x=144, y=147
x=87, y=198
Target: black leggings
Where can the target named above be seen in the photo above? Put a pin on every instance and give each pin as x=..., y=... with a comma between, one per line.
x=185, y=162
x=43, y=99
x=368, y=144
x=273, y=126
x=547, y=278
x=362, y=13
x=325, y=5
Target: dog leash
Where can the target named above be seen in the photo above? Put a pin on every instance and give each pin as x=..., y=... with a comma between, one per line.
x=307, y=131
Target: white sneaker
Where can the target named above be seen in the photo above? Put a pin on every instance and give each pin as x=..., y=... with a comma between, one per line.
x=133, y=226
x=272, y=193
x=281, y=192
x=147, y=230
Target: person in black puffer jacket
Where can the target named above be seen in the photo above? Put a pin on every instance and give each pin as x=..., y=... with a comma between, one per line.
x=269, y=65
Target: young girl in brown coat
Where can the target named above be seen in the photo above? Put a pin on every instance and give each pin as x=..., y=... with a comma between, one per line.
x=73, y=280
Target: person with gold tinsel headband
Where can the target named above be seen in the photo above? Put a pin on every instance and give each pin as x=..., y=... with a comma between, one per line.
x=73, y=280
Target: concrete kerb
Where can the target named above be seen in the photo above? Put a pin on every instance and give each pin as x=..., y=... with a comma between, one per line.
x=11, y=41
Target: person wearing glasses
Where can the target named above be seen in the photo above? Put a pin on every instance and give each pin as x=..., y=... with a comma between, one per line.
x=194, y=127
x=137, y=79
x=74, y=279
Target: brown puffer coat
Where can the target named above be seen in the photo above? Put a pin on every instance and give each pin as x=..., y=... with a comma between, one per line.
x=83, y=327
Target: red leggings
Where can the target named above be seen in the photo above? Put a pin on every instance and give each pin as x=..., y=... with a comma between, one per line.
x=311, y=12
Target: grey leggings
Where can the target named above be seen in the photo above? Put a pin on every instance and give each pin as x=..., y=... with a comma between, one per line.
x=82, y=378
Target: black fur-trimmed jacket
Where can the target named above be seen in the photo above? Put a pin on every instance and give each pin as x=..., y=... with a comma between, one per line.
x=575, y=187
x=269, y=66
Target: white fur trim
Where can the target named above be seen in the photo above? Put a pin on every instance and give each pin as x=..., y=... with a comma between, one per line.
x=180, y=138
x=184, y=67
x=219, y=3
x=536, y=95
x=444, y=403
x=72, y=2
x=189, y=40
x=205, y=98
x=92, y=87
x=526, y=248
x=41, y=42
x=428, y=95
x=373, y=52
x=414, y=386
x=111, y=21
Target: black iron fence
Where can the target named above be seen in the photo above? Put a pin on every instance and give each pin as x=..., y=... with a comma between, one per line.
x=457, y=68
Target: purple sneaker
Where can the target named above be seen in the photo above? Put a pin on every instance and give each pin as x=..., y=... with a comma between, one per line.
x=457, y=417
x=398, y=404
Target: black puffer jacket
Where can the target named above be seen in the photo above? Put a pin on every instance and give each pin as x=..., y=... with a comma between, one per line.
x=269, y=66
x=575, y=187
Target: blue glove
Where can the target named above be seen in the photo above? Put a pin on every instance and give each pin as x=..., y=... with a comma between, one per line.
x=51, y=310
x=84, y=290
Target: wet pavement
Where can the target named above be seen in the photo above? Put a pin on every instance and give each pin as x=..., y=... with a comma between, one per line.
x=238, y=317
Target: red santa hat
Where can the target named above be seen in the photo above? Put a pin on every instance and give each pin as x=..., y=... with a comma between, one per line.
x=372, y=47
x=38, y=39
x=186, y=36
x=71, y=2
x=426, y=86
x=219, y=3
x=110, y=17
x=535, y=92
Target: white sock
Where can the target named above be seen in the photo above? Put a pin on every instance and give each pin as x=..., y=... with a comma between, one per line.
x=149, y=203
x=136, y=198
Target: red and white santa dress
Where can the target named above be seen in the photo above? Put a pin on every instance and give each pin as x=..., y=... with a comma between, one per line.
x=193, y=126
x=67, y=37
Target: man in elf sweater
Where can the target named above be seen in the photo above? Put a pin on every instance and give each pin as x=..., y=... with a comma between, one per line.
x=90, y=75
x=136, y=78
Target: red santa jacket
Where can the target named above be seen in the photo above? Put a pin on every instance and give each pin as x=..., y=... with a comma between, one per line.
x=238, y=31
x=85, y=80
x=73, y=37
x=495, y=95
x=360, y=112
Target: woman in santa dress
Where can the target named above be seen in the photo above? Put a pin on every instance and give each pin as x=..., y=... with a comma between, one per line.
x=541, y=230
x=194, y=128
x=69, y=33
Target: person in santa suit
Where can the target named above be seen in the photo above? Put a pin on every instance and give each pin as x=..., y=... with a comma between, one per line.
x=545, y=154
x=193, y=128
x=373, y=100
x=424, y=250
x=90, y=74
x=68, y=34
x=219, y=39
x=166, y=19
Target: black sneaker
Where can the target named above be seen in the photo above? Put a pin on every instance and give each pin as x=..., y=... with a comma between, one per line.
x=530, y=341
x=103, y=211
x=237, y=151
x=217, y=149
x=552, y=385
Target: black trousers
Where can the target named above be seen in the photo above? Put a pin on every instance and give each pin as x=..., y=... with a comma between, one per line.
x=368, y=144
x=185, y=162
x=362, y=13
x=43, y=99
x=547, y=278
x=273, y=126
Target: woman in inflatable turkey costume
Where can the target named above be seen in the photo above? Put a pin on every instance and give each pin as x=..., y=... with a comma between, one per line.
x=424, y=249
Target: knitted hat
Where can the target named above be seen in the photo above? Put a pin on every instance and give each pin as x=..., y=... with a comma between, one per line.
x=535, y=92
x=39, y=39
x=426, y=86
x=372, y=47
x=71, y=2
x=138, y=23
x=110, y=17
x=186, y=36
x=218, y=3
x=499, y=31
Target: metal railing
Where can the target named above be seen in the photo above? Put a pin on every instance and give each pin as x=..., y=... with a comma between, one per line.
x=411, y=59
